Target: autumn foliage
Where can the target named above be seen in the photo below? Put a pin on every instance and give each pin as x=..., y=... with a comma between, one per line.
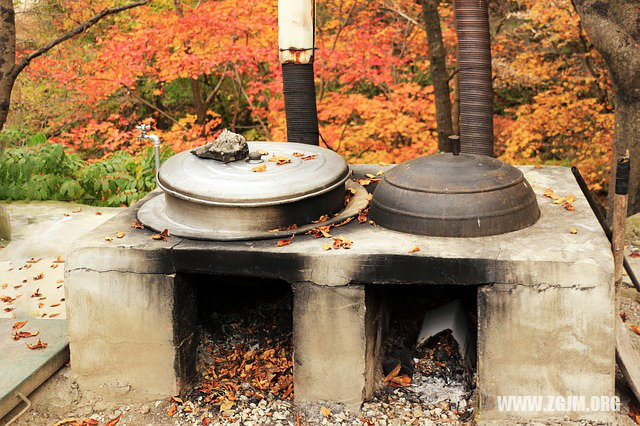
x=374, y=93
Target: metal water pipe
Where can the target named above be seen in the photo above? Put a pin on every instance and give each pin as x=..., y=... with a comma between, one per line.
x=296, y=41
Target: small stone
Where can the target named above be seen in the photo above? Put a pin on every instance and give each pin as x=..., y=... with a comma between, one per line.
x=117, y=413
x=417, y=412
x=227, y=147
x=127, y=408
x=145, y=409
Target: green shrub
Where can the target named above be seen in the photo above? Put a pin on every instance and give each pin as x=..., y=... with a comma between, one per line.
x=47, y=172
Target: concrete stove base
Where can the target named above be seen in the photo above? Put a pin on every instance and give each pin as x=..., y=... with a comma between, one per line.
x=545, y=304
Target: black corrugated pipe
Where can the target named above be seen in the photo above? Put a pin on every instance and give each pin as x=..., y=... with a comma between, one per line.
x=474, y=64
x=296, y=42
x=300, y=103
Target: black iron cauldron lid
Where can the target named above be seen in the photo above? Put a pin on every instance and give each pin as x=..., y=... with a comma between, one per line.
x=449, y=195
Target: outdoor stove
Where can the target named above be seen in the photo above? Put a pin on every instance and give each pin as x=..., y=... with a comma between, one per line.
x=544, y=295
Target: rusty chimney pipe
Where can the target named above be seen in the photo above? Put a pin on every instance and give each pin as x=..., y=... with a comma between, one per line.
x=474, y=64
x=296, y=40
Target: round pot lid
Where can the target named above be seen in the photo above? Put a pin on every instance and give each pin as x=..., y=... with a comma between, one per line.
x=275, y=173
x=453, y=174
x=450, y=195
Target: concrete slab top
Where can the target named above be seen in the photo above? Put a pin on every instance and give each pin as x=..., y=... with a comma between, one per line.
x=545, y=254
x=25, y=369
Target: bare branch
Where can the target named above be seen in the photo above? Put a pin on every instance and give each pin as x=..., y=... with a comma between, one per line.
x=246, y=97
x=74, y=32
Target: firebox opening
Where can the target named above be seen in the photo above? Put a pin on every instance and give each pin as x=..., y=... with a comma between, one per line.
x=436, y=371
x=244, y=353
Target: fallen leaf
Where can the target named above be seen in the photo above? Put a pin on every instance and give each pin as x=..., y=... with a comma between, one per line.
x=54, y=315
x=260, y=168
x=403, y=380
x=262, y=152
x=37, y=293
x=364, y=182
x=383, y=164
x=17, y=286
x=341, y=241
x=285, y=242
x=206, y=421
x=98, y=213
x=78, y=210
x=137, y=225
x=40, y=305
x=573, y=230
x=114, y=421
x=227, y=405
x=380, y=173
x=89, y=422
x=24, y=335
x=559, y=200
x=279, y=160
x=59, y=281
x=567, y=205
x=298, y=154
x=326, y=246
x=161, y=236
x=108, y=239
x=370, y=176
x=362, y=216
x=5, y=285
x=414, y=249
x=59, y=260
x=635, y=254
x=38, y=277
x=284, y=228
x=320, y=231
x=344, y=222
x=623, y=317
x=120, y=234
x=19, y=325
x=177, y=399
x=570, y=199
x=172, y=410
x=8, y=309
x=309, y=157
x=369, y=196
x=539, y=166
x=54, y=266
x=33, y=260
x=66, y=214
x=325, y=411
x=635, y=328
x=39, y=345
x=548, y=193
x=393, y=373
x=321, y=219
x=54, y=305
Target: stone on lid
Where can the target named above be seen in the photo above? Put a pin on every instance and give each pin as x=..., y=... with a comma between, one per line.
x=227, y=147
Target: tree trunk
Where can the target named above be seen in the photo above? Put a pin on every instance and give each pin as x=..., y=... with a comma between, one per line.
x=200, y=107
x=438, y=67
x=613, y=29
x=626, y=137
x=7, y=57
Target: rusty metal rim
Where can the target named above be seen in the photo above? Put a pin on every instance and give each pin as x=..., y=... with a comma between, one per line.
x=152, y=214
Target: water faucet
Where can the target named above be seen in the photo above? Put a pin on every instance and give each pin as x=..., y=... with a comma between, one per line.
x=154, y=138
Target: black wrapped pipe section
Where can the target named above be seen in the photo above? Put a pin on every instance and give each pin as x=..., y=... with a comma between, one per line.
x=300, y=103
x=474, y=64
x=622, y=176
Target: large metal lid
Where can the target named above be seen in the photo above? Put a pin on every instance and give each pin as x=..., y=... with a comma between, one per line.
x=450, y=195
x=307, y=171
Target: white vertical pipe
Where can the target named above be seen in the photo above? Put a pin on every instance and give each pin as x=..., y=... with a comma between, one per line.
x=296, y=25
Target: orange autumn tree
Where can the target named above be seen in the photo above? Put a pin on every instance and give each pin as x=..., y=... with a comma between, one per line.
x=374, y=88
x=542, y=54
x=375, y=100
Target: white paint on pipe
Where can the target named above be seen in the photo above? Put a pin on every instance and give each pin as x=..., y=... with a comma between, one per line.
x=296, y=30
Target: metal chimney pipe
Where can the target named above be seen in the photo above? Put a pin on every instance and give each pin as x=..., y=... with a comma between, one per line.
x=296, y=37
x=474, y=64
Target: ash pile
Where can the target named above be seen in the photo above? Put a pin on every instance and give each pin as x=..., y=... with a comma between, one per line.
x=429, y=360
